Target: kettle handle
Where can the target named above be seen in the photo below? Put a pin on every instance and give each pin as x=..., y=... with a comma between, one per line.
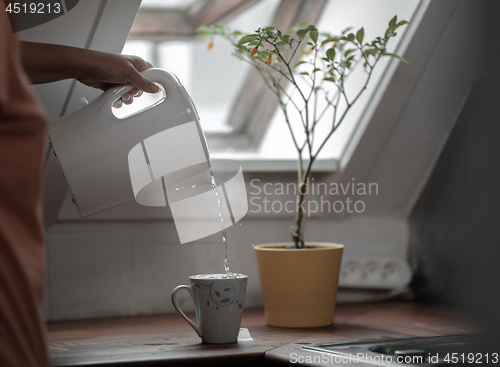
x=68, y=124
x=154, y=75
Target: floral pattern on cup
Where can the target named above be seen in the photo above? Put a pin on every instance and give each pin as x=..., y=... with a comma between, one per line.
x=221, y=295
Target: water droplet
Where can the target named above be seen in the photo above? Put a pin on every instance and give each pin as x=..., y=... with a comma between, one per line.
x=193, y=186
x=176, y=189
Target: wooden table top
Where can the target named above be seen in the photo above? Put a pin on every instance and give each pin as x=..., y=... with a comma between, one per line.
x=169, y=340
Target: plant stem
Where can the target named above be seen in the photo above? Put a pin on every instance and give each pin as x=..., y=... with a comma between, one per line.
x=347, y=109
x=303, y=178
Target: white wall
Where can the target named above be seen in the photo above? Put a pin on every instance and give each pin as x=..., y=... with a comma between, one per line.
x=121, y=267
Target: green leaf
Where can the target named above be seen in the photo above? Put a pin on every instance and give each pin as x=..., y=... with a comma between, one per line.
x=247, y=38
x=301, y=25
x=264, y=54
x=330, y=79
x=360, y=35
x=392, y=23
x=349, y=52
x=316, y=70
x=243, y=48
x=301, y=33
x=314, y=35
x=268, y=29
x=395, y=56
x=370, y=51
x=330, y=39
x=285, y=40
x=304, y=73
x=201, y=28
x=201, y=36
x=316, y=89
x=346, y=30
x=330, y=53
x=351, y=37
x=403, y=22
x=299, y=63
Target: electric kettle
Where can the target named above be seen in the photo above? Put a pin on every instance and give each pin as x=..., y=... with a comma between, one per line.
x=93, y=146
x=157, y=156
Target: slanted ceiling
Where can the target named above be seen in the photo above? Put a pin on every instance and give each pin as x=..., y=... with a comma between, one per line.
x=160, y=24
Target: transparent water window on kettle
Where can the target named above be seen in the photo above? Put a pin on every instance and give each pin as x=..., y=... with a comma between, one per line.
x=140, y=104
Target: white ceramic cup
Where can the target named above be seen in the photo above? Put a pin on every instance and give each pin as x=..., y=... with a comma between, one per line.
x=218, y=304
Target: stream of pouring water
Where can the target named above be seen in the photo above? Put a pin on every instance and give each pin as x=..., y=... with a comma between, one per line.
x=221, y=215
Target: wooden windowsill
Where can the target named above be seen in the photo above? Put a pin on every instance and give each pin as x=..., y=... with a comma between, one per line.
x=167, y=339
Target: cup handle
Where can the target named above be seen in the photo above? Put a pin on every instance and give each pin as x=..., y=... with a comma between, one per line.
x=178, y=309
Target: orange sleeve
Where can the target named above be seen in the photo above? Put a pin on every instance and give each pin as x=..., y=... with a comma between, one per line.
x=22, y=133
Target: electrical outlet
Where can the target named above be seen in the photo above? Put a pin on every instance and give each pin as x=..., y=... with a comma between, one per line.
x=374, y=273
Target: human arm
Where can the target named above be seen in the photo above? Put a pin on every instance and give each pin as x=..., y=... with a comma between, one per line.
x=46, y=63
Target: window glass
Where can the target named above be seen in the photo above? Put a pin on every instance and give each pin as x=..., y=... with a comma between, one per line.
x=214, y=78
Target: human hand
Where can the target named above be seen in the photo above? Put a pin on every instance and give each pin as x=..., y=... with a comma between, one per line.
x=109, y=70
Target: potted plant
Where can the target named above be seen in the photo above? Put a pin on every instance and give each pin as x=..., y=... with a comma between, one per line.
x=306, y=70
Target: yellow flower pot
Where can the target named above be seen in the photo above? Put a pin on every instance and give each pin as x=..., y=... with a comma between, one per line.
x=299, y=286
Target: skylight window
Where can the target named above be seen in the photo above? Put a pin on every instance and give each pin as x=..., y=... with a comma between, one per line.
x=337, y=16
x=215, y=79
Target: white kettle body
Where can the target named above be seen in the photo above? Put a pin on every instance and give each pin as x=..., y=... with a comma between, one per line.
x=108, y=161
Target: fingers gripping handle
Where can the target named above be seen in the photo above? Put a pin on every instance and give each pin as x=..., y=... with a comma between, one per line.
x=178, y=309
x=154, y=75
